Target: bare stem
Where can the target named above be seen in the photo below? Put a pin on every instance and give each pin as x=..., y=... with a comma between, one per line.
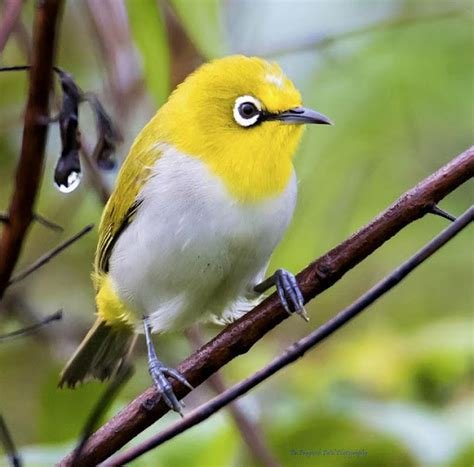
x=49, y=255
x=9, y=446
x=250, y=432
x=320, y=41
x=33, y=328
x=30, y=166
x=240, y=336
x=299, y=348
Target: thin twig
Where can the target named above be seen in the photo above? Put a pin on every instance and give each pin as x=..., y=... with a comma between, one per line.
x=38, y=218
x=49, y=255
x=47, y=223
x=30, y=166
x=112, y=33
x=95, y=176
x=437, y=211
x=320, y=41
x=184, y=56
x=8, y=445
x=240, y=336
x=299, y=348
x=34, y=327
x=123, y=375
x=250, y=432
x=10, y=16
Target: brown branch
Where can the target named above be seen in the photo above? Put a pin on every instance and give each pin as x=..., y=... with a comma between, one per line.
x=124, y=373
x=30, y=166
x=10, y=16
x=112, y=33
x=240, y=336
x=249, y=431
x=184, y=55
x=298, y=349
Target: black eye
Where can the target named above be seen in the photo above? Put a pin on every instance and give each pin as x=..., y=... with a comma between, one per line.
x=248, y=110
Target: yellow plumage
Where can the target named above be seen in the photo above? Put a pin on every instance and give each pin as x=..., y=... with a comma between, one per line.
x=202, y=199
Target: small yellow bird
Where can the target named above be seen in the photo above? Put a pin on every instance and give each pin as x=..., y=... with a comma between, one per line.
x=202, y=200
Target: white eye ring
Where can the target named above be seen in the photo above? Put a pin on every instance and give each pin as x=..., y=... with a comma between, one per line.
x=240, y=117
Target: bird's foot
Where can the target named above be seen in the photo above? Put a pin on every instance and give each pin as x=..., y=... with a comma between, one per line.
x=290, y=294
x=288, y=291
x=159, y=374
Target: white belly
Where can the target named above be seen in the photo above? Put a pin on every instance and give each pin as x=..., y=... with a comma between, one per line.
x=192, y=250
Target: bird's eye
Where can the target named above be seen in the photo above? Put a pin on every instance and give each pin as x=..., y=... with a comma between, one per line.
x=247, y=110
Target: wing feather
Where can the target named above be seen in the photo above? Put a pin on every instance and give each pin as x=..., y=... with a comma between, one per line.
x=124, y=202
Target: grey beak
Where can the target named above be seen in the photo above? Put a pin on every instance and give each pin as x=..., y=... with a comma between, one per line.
x=300, y=115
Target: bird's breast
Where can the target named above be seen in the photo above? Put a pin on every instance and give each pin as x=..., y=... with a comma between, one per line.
x=190, y=236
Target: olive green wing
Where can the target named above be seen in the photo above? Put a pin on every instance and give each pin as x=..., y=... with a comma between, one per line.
x=122, y=205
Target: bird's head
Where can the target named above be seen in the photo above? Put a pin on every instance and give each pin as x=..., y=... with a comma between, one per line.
x=244, y=118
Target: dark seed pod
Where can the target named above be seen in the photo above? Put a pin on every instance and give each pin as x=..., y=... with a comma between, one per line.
x=108, y=135
x=67, y=174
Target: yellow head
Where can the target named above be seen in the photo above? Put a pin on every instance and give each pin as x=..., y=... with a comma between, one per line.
x=242, y=116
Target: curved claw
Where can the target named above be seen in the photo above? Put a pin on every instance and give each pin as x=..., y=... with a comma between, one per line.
x=289, y=291
x=172, y=373
x=158, y=374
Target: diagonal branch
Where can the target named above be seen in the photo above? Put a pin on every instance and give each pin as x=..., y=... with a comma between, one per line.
x=299, y=348
x=30, y=166
x=250, y=431
x=319, y=41
x=40, y=262
x=8, y=445
x=240, y=336
x=32, y=328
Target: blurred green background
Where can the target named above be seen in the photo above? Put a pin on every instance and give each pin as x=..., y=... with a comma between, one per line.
x=396, y=76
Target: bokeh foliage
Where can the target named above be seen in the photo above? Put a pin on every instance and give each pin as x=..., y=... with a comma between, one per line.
x=396, y=382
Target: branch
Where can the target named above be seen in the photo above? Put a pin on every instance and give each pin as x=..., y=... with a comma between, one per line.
x=122, y=376
x=38, y=218
x=240, y=336
x=9, y=446
x=95, y=176
x=250, y=431
x=110, y=27
x=58, y=315
x=49, y=255
x=320, y=41
x=30, y=166
x=11, y=14
x=299, y=348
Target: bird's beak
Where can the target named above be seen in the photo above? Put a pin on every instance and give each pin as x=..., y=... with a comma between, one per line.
x=300, y=115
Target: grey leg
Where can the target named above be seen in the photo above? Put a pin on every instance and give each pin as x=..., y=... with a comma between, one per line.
x=159, y=373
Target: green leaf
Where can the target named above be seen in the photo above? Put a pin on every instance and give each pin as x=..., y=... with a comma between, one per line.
x=149, y=33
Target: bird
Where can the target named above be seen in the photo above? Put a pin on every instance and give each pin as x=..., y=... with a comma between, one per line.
x=204, y=196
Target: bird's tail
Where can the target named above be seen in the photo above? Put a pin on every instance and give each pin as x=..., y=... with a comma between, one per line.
x=100, y=354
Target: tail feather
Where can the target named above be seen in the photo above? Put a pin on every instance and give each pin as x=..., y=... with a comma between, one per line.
x=100, y=354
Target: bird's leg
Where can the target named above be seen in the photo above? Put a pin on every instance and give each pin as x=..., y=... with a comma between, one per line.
x=288, y=290
x=159, y=373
